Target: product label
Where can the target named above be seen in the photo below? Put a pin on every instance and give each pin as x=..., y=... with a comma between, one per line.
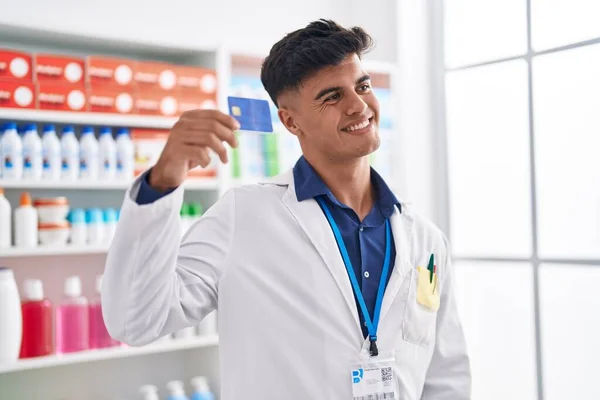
x=15, y=65
x=155, y=103
x=16, y=94
x=56, y=68
x=110, y=71
x=110, y=99
x=196, y=79
x=56, y=96
x=155, y=76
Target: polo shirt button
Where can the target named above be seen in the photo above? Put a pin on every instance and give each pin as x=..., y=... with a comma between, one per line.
x=361, y=229
x=367, y=274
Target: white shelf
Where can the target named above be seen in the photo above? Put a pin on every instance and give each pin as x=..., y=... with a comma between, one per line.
x=87, y=118
x=162, y=346
x=40, y=251
x=190, y=184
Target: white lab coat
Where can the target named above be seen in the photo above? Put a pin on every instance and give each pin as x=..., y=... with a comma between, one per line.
x=288, y=323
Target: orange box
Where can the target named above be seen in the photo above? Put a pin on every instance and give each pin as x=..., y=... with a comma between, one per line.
x=61, y=97
x=17, y=94
x=110, y=71
x=151, y=102
x=155, y=76
x=197, y=79
x=61, y=69
x=110, y=99
x=190, y=101
x=15, y=65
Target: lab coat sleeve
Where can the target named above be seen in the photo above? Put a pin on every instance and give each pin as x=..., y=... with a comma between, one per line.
x=156, y=283
x=449, y=373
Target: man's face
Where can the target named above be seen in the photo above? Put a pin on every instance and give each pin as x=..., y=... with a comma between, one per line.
x=334, y=113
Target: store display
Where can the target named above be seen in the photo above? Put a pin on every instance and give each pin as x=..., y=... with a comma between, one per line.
x=15, y=65
x=32, y=153
x=59, y=68
x=107, y=154
x=26, y=223
x=72, y=319
x=5, y=222
x=17, y=94
x=37, y=311
x=69, y=148
x=99, y=336
x=51, y=154
x=110, y=99
x=58, y=96
x=10, y=317
x=11, y=151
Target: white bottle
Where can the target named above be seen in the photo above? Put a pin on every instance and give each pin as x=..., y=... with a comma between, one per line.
x=95, y=226
x=110, y=224
x=11, y=320
x=5, y=221
x=125, y=155
x=32, y=153
x=107, y=154
x=26, y=223
x=11, y=155
x=78, y=227
x=149, y=392
x=201, y=389
x=69, y=150
x=176, y=390
x=51, y=157
x=88, y=150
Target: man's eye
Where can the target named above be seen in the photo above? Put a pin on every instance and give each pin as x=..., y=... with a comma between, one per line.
x=335, y=96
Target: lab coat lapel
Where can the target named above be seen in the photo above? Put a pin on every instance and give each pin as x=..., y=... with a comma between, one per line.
x=314, y=223
x=402, y=224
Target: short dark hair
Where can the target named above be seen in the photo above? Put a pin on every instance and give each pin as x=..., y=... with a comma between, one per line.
x=305, y=51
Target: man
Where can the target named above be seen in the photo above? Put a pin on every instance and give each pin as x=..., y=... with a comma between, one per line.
x=327, y=286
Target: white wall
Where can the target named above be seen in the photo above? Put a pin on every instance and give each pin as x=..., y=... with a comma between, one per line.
x=244, y=26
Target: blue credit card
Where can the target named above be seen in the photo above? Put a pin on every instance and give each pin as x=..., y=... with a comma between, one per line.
x=252, y=114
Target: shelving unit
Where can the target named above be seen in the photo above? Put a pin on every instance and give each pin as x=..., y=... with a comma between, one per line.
x=190, y=184
x=44, y=251
x=110, y=353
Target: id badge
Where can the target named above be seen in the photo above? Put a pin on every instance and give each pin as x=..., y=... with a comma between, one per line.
x=374, y=379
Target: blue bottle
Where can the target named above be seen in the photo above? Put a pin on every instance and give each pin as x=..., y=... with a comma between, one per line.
x=201, y=389
x=176, y=391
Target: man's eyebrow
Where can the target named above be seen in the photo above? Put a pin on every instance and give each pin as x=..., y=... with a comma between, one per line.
x=328, y=90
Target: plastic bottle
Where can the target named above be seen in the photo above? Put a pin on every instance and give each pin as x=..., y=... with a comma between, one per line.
x=11, y=147
x=37, y=321
x=107, y=154
x=32, y=153
x=99, y=336
x=88, y=150
x=51, y=157
x=5, y=221
x=110, y=224
x=149, y=392
x=125, y=155
x=69, y=149
x=72, y=319
x=201, y=389
x=176, y=391
x=95, y=226
x=10, y=318
x=26, y=223
x=78, y=227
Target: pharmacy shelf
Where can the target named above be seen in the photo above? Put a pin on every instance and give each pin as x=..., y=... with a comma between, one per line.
x=190, y=184
x=162, y=346
x=43, y=251
x=87, y=118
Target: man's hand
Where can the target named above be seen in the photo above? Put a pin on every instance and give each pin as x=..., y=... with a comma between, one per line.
x=190, y=140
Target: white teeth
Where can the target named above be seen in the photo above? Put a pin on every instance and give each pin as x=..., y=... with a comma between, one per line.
x=358, y=126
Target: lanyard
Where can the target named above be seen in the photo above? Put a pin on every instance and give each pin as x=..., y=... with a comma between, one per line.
x=373, y=324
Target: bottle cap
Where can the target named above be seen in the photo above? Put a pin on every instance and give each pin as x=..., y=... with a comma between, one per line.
x=105, y=130
x=25, y=200
x=34, y=289
x=6, y=274
x=122, y=131
x=176, y=388
x=10, y=125
x=87, y=130
x=30, y=127
x=93, y=216
x=73, y=286
x=99, y=283
x=110, y=215
x=49, y=128
x=196, y=209
x=68, y=129
x=77, y=216
x=200, y=384
x=150, y=392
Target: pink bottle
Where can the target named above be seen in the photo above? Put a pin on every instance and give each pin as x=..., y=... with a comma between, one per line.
x=99, y=337
x=37, y=321
x=72, y=321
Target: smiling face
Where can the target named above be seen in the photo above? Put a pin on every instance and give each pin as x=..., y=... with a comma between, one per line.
x=334, y=113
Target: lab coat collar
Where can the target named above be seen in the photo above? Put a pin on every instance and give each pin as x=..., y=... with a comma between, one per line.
x=314, y=223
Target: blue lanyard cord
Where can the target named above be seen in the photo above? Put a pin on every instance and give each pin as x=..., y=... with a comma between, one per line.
x=372, y=325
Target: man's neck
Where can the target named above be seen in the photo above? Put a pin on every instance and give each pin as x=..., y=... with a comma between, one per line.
x=350, y=183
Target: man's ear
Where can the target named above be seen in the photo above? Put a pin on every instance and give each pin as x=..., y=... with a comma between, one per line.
x=286, y=117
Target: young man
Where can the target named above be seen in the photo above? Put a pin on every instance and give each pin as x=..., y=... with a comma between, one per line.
x=327, y=287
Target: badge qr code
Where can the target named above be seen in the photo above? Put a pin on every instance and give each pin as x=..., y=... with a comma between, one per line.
x=373, y=383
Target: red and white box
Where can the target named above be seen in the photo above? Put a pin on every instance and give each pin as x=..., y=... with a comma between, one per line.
x=60, y=69
x=152, y=102
x=15, y=65
x=148, y=144
x=60, y=97
x=110, y=99
x=190, y=101
x=155, y=76
x=197, y=79
x=110, y=71
x=17, y=94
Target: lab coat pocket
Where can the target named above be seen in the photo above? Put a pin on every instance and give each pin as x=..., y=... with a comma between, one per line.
x=420, y=314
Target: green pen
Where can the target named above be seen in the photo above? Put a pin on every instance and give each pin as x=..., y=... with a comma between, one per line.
x=430, y=268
